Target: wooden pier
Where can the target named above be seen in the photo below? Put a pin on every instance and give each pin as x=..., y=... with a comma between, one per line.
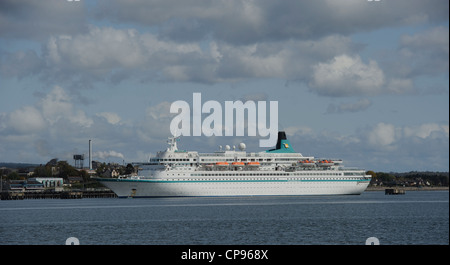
x=394, y=192
x=12, y=195
x=71, y=195
x=20, y=195
x=99, y=194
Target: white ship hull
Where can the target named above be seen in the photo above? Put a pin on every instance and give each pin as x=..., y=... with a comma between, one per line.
x=168, y=188
x=279, y=171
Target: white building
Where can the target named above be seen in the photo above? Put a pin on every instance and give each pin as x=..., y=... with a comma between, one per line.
x=56, y=183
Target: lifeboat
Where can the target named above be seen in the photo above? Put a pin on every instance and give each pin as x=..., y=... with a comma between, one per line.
x=238, y=164
x=253, y=164
x=306, y=163
x=325, y=163
x=222, y=164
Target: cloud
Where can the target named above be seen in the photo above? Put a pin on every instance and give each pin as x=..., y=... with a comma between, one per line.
x=54, y=125
x=160, y=111
x=434, y=38
x=328, y=64
x=347, y=75
x=382, y=135
x=427, y=130
x=385, y=135
x=249, y=22
x=381, y=146
x=112, y=118
x=419, y=56
x=155, y=127
x=54, y=110
x=100, y=48
x=223, y=41
x=112, y=55
x=58, y=49
x=26, y=120
x=109, y=54
x=57, y=105
x=289, y=60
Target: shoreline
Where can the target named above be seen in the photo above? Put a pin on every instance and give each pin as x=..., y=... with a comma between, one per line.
x=408, y=188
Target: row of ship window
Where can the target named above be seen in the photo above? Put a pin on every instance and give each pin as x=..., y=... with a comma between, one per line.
x=170, y=159
x=221, y=160
x=256, y=179
x=269, y=174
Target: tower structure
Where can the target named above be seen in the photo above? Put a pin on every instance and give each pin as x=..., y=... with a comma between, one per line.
x=90, y=155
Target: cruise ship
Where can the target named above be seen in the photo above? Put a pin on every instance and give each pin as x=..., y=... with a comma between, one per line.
x=231, y=172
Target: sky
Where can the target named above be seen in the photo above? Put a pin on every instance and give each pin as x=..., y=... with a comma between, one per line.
x=363, y=81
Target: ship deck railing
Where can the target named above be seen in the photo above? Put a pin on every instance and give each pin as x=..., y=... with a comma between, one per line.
x=245, y=154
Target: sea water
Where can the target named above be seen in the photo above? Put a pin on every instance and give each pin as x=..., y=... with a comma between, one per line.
x=418, y=217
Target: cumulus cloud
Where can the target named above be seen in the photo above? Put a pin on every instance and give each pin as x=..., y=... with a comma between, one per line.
x=54, y=110
x=381, y=146
x=347, y=75
x=328, y=64
x=223, y=41
x=57, y=105
x=54, y=125
x=112, y=55
x=385, y=135
x=289, y=60
x=100, y=48
x=109, y=54
x=382, y=135
x=312, y=44
x=426, y=130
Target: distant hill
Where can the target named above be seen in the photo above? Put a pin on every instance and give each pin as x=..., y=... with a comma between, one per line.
x=419, y=173
x=17, y=165
x=411, y=178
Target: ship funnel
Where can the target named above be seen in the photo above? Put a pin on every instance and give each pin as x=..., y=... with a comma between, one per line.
x=283, y=144
x=281, y=136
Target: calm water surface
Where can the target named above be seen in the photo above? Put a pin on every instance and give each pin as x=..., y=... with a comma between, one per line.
x=419, y=217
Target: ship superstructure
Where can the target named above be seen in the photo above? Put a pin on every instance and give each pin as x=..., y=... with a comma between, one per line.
x=231, y=172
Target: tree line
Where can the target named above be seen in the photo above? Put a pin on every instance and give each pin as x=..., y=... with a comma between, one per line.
x=420, y=178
